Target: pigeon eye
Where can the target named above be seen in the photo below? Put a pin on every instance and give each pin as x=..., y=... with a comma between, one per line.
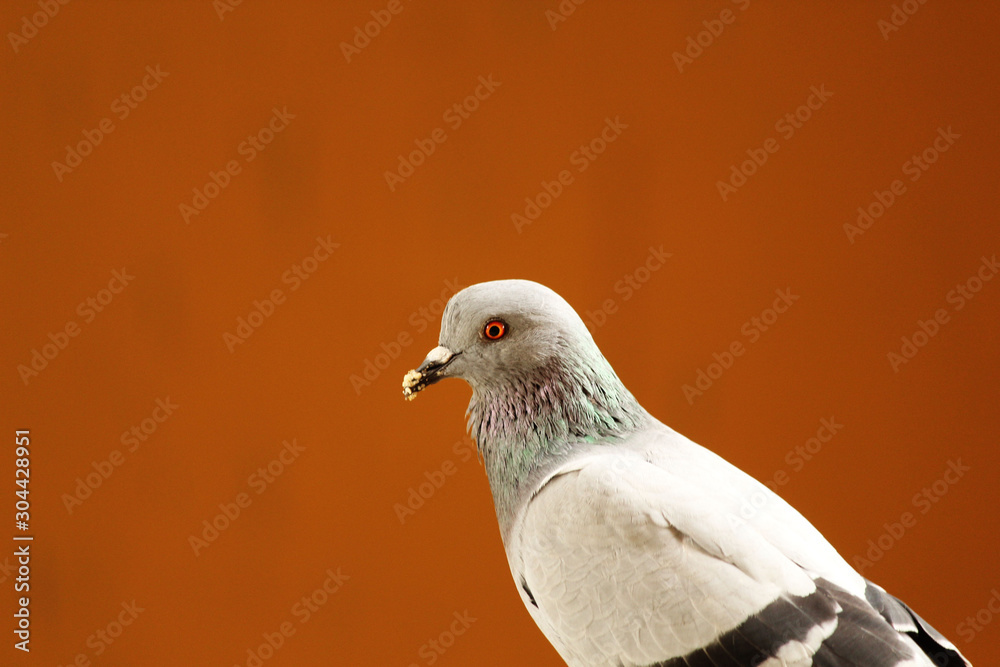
x=495, y=329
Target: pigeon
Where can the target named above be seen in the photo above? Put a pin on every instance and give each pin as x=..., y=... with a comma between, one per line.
x=628, y=543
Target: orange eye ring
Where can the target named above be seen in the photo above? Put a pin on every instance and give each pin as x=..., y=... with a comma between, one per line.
x=495, y=330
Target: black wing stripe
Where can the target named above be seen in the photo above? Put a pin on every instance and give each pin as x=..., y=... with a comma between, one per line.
x=759, y=637
x=861, y=637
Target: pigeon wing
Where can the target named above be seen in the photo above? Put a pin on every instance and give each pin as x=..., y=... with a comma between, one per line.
x=623, y=563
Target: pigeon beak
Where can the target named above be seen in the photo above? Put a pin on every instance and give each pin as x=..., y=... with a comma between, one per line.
x=427, y=373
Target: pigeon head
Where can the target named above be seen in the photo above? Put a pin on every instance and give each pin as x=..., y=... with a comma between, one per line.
x=497, y=333
x=540, y=386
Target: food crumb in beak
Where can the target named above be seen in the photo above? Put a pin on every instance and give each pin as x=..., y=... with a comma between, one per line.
x=411, y=380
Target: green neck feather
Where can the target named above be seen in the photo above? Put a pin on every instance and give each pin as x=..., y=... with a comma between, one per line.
x=525, y=423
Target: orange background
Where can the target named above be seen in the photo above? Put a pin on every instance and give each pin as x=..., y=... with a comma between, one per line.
x=323, y=175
